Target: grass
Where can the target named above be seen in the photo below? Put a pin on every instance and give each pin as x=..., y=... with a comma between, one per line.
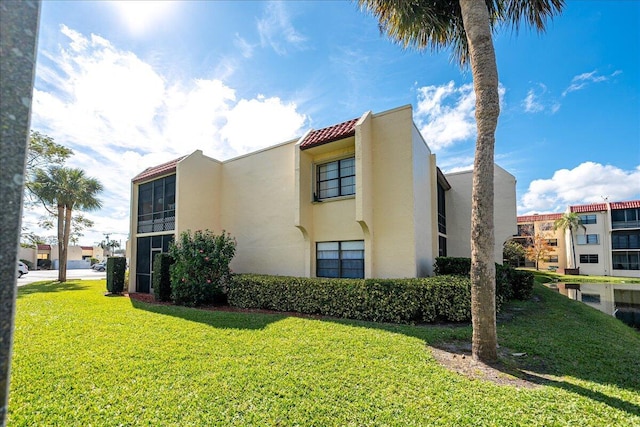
x=549, y=276
x=81, y=359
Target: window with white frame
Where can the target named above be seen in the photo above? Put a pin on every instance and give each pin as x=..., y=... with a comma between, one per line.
x=588, y=239
x=335, y=179
x=340, y=259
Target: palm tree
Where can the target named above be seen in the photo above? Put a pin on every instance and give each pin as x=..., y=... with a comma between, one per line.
x=66, y=189
x=570, y=221
x=466, y=26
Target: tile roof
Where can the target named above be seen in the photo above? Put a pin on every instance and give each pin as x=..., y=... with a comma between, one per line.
x=329, y=134
x=625, y=205
x=543, y=217
x=594, y=207
x=87, y=248
x=155, y=171
x=44, y=247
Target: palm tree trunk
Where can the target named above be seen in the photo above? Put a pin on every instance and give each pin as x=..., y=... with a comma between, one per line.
x=475, y=17
x=67, y=233
x=573, y=248
x=62, y=258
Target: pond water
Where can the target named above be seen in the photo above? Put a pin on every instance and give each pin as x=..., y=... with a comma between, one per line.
x=621, y=300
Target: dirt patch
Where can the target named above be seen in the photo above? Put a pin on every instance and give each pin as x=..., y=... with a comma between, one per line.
x=510, y=369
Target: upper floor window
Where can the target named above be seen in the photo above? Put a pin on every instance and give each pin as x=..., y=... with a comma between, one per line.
x=546, y=226
x=525, y=229
x=625, y=218
x=157, y=205
x=588, y=219
x=552, y=242
x=625, y=240
x=335, y=179
x=588, y=239
x=442, y=212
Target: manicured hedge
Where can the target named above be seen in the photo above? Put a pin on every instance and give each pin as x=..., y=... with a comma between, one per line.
x=161, y=276
x=116, y=267
x=381, y=300
x=510, y=283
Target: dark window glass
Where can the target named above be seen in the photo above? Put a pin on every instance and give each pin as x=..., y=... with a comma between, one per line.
x=626, y=260
x=553, y=258
x=588, y=219
x=591, y=298
x=442, y=246
x=589, y=258
x=442, y=212
x=552, y=242
x=336, y=178
x=625, y=239
x=156, y=205
x=340, y=259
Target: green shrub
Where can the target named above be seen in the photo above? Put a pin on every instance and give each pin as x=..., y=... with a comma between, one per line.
x=161, y=277
x=28, y=263
x=201, y=271
x=381, y=300
x=522, y=284
x=451, y=265
x=116, y=267
x=93, y=260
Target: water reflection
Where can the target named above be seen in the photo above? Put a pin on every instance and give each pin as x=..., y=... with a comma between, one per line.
x=621, y=300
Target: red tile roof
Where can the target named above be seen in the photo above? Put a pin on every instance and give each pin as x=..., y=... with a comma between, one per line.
x=87, y=248
x=594, y=207
x=543, y=217
x=329, y=134
x=159, y=170
x=44, y=247
x=625, y=205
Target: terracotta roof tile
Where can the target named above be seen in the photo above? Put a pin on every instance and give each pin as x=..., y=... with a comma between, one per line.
x=594, y=207
x=625, y=205
x=543, y=217
x=44, y=247
x=155, y=171
x=329, y=134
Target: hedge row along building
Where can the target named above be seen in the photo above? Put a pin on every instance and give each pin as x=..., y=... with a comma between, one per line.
x=363, y=198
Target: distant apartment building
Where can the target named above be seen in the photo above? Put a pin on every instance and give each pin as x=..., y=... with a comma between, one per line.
x=362, y=198
x=606, y=244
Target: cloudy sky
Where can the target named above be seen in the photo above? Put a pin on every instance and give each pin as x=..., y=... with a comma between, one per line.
x=128, y=85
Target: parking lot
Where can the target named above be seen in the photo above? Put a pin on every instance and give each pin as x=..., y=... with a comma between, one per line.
x=40, y=275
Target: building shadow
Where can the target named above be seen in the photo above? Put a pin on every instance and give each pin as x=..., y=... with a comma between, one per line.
x=49, y=287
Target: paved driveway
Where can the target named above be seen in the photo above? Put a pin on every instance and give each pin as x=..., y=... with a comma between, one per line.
x=40, y=275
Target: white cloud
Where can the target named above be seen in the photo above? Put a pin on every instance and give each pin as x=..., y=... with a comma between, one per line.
x=445, y=114
x=246, y=48
x=582, y=80
x=538, y=101
x=277, y=31
x=120, y=115
x=588, y=182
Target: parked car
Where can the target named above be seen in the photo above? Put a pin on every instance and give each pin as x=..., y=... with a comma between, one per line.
x=22, y=269
x=100, y=266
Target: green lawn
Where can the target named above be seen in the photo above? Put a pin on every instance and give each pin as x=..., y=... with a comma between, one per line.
x=549, y=276
x=82, y=359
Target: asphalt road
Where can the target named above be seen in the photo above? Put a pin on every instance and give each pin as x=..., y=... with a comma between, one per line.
x=40, y=275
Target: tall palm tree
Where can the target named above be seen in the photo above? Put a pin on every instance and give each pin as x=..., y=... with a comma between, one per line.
x=466, y=26
x=570, y=221
x=65, y=189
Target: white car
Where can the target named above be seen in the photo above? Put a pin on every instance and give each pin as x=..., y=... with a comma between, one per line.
x=22, y=269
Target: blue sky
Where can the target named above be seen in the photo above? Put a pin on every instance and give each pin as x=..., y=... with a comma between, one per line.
x=128, y=85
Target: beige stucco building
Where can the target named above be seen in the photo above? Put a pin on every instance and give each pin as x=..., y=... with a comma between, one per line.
x=363, y=198
x=606, y=244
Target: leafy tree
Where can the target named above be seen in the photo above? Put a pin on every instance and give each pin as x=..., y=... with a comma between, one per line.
x=109, y=246
x=466, y=26
x=538, y=250
x=570, y=221
x=42, y=153
x=61, y=190
x=513, y=252
x=79, y=223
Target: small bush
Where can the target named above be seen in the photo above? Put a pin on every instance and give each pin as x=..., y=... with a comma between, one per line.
x=522, y=284
x=381, y=300
x=116, y=267
x=201, y=271
x=451, y=265
x=161, y=277
x=44, y=264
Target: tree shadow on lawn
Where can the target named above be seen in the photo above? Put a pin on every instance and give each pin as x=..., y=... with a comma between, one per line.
x=453, y=340
x=50, y=286
x=215, y=316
